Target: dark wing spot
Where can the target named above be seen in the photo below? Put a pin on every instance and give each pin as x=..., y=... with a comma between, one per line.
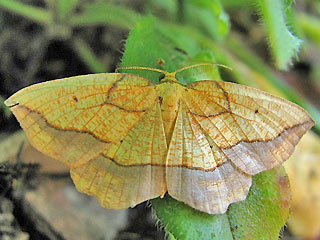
x=75, y=98
x=256, y=111
x=121, y=141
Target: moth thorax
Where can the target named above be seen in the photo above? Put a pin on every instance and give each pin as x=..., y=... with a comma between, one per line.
x=168, y=77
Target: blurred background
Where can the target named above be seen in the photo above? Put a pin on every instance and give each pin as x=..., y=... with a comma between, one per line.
x=269, y=46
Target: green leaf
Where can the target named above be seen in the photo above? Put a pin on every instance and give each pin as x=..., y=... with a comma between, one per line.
x=284, y=45
x=28, y=11
x=184, y=222
x=101, y=13
x=266, y=208
x=149, y=42
x=206, y=15
x=236, y=5
x=65, y=8
x=287, y=3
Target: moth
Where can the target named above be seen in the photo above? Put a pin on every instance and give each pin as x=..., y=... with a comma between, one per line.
x=127, y=140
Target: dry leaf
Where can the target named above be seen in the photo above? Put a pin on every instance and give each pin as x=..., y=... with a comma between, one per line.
x=303, y=169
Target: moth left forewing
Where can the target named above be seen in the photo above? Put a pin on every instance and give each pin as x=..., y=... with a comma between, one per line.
x=51, y=115
x=74, y=119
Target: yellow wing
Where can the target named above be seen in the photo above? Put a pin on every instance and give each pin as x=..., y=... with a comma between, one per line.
x=224, y=133
x=135, y=172
x=107, y=127
x=74, y=119
x=255, y=130
x=196, y=174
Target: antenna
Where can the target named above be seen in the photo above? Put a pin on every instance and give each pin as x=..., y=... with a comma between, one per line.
x=202, y=64
x=180, y=70
x=143, y=68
